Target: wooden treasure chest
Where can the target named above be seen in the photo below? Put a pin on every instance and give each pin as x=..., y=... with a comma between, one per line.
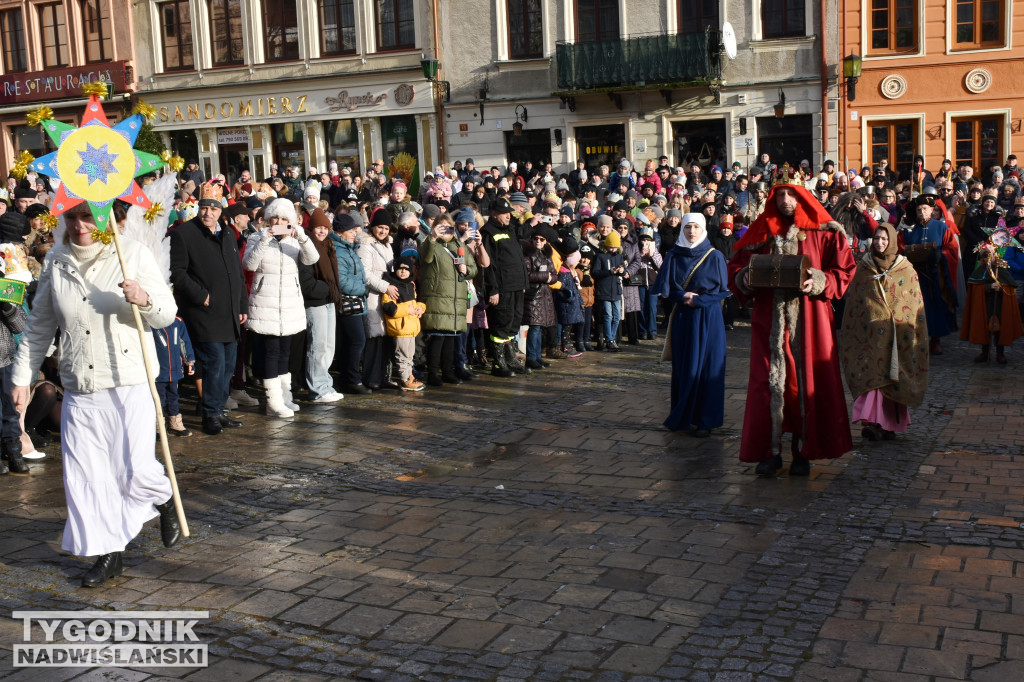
x=777, y=271
x=920, y=253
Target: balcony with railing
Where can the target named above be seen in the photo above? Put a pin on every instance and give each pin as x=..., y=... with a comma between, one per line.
x=640, y=61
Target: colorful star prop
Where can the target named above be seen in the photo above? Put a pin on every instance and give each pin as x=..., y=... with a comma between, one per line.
x=96, y=163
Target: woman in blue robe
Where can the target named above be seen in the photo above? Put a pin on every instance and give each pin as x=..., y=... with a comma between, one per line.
x=937, y=286
x=694, y=280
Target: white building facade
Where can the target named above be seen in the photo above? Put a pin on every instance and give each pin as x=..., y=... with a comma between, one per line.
x=598, y=80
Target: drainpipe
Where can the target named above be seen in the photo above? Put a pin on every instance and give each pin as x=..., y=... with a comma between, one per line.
x=823, y=33
x=442, y=158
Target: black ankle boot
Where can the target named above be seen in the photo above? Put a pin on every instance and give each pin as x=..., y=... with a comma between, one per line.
x=433, y=379
x=106, y=567
x=170, y=529
x=501, y=368
x=450, y=377
x=12, y=453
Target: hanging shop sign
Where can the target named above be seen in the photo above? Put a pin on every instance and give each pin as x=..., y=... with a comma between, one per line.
x=289, y=106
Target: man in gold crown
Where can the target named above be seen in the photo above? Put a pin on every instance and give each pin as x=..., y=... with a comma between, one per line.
x=795, y=385
x=206, y=272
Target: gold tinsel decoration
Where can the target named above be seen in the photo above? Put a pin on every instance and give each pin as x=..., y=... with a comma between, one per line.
x=176, y=163
x=166, y=156
x=98, y=88
x=37, y=116
x=20, y=169
x=101, y=236
x=49, y=222
x=153, y=212
x=147, y=110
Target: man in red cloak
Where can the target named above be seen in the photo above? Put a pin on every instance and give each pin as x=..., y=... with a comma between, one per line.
x=795, y=384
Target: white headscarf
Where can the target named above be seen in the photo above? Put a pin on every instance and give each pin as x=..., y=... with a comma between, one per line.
x=688, y=218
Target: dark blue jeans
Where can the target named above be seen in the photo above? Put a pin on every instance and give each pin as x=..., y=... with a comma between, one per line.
x=168, y=392
x=218, y=361
x=11, y=424
x=648, y=311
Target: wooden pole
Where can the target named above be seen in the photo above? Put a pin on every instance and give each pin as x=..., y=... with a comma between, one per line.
x=160, y=426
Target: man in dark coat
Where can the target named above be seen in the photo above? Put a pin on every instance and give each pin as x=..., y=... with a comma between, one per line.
x=505, y=282
x=206, y=273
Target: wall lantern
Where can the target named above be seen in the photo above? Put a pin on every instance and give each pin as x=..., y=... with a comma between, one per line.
x=780, y=106
x=851, y=72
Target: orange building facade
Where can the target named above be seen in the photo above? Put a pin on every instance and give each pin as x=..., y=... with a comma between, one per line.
x=940, y=78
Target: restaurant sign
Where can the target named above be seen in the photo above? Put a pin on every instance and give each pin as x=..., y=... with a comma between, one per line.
x=38, y=86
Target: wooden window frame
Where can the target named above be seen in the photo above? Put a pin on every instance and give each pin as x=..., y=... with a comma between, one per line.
x=20, y=46
x=519, y=7
x=211, y=9
x=801, y=32
x=597, y=17
x=104, y=31
x=702, y=23
x=890, y=9
x=976, y=140
x=63, y=50
x=277, y=11
x=891, y=145
x=161, y=27
x=976, y=22
x=396, y=47
x=337, y=4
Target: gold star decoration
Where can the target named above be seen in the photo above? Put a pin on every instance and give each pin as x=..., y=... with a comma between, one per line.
x=98, y=88
x=153, y=212
x=37, y=116
x=147, y=110
x=20, y=168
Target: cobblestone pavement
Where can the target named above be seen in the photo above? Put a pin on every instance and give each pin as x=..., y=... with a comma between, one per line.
x=548, y=528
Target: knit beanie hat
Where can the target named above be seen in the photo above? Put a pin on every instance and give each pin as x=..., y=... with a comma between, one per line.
x=612, y=240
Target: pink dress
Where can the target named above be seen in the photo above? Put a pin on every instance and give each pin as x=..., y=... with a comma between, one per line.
x=874, y=408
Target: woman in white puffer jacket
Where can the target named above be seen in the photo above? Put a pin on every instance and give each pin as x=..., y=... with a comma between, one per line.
x=276, y=311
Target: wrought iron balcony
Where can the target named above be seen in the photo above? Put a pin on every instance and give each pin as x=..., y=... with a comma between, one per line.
x=640, y=61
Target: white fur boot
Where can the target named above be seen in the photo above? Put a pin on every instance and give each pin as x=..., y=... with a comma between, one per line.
x=275, y=400
x=286, y=392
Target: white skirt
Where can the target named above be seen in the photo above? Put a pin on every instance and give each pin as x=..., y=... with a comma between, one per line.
x=112, y=478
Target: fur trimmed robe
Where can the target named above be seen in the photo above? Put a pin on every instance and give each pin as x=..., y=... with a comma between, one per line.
x=795, y=384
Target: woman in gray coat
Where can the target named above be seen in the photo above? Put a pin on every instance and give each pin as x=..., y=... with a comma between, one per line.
x=375, y=252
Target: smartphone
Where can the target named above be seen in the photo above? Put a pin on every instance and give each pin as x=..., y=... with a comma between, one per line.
x=279, y=230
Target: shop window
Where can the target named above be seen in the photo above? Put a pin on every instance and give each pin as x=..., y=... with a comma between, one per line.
x=12, y=37
x=31, y=139
x=396, y=24
x=977, y=142
x=783, y=19
x=525, y=29
x=697, y=16
x=533, y=145
x=226, y=32
x=176, y=35
x=401, y=158
x=702, y=141
x=289, y=149
x=978, y=24
x=96, y=28
x=893, y=27
x=280, y=30
x=337, y=27
x=598, y=145
x=53, y=34
x=343, y=144
x=786, y=139
x=895, y=141
x=597, y=20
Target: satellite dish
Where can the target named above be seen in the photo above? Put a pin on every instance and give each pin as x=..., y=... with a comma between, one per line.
x=729, y=40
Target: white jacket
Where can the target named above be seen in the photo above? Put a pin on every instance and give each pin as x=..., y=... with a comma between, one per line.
x=376, y=259
x=275, y=299
x=99, y=342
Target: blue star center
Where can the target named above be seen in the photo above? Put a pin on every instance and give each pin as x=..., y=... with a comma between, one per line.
x=97, y=163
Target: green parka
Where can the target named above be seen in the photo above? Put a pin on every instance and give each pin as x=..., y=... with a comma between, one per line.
x=440, y=288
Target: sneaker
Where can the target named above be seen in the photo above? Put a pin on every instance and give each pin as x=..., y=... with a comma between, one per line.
x=411, y=384
x=331, y=397
x=35, y=454
x=240, y=396
x=230, y=404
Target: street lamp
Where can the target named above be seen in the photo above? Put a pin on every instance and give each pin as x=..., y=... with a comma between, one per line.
x=517, y=127
x=443, y=88
x=851, y=72
x=780, y=106
x=429, y=68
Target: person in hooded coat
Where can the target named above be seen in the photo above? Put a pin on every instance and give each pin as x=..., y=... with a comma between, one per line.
x=694, y=280
x=795, y=382
x=884, y=339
